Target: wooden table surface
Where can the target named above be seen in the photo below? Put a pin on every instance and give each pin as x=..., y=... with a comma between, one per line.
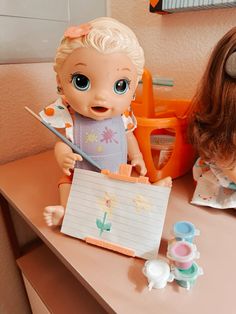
x=114, y=280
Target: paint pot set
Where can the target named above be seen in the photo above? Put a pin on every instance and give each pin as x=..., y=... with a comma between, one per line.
x=182, y=254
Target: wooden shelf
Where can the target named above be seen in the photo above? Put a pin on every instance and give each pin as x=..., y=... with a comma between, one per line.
x=57, y=288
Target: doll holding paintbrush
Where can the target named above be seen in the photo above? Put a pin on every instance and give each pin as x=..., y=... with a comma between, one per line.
x=98, y=66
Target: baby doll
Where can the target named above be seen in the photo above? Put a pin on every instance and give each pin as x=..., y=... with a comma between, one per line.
x=98, y=66
x=212, y=128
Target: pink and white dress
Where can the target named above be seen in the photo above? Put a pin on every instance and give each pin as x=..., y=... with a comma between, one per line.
x=213, y=188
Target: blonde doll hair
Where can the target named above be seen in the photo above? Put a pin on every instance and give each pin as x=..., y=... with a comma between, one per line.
x=107, y=35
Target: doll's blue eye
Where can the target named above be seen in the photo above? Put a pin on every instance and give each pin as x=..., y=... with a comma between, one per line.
x=121, y=86
x=80, y=82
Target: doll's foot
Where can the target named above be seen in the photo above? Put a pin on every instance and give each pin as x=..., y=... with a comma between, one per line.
x=164, y=182
x=53, y=215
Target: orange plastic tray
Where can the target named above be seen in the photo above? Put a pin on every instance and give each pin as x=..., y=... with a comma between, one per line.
x=170, y=119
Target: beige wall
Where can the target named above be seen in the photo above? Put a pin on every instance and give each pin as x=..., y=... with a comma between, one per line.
x=31, y=85
x=175, y=45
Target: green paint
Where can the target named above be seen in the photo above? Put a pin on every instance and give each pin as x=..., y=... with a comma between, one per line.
x=102, y=225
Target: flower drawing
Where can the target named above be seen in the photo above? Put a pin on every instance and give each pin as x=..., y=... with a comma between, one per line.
x=141, y=203
x=108, y=136
x=91, y=137
x=107, y=203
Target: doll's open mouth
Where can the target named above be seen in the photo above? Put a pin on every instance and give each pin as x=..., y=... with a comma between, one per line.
x=99, y=109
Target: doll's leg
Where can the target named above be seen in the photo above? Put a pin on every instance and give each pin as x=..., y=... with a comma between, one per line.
x=164, y=182
x=53, y=215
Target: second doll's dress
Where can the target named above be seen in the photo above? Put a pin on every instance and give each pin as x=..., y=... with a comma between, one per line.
x=213, y=188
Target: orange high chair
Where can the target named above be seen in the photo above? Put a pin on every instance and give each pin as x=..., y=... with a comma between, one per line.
x=161, y=134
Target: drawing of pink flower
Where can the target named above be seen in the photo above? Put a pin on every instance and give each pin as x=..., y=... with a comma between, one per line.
x=108, y=136
x=106, y=204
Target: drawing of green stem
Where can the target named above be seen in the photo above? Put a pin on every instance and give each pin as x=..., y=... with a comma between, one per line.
x=102, y=225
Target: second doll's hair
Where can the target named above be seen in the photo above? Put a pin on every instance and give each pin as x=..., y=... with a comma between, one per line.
x=107, y=35
x=212, y=120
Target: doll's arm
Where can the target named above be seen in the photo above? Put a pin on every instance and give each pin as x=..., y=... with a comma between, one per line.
x=65, y=157
x=134, y=153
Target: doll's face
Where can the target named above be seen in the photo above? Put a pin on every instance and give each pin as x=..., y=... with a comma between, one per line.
x=96, y=85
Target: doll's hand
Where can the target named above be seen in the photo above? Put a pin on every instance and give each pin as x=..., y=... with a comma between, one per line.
x=139, y=164
x=68, y=162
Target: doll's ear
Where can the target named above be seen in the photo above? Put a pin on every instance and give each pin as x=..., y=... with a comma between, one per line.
x=230, y=65
x=59, y=86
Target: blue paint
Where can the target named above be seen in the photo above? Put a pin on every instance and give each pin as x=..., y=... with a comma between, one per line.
x=184, y=230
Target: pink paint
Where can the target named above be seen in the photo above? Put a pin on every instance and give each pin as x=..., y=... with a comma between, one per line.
x=182, y=254
x=182, y=250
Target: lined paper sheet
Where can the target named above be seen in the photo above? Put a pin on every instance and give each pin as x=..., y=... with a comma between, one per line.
x=129, y=214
